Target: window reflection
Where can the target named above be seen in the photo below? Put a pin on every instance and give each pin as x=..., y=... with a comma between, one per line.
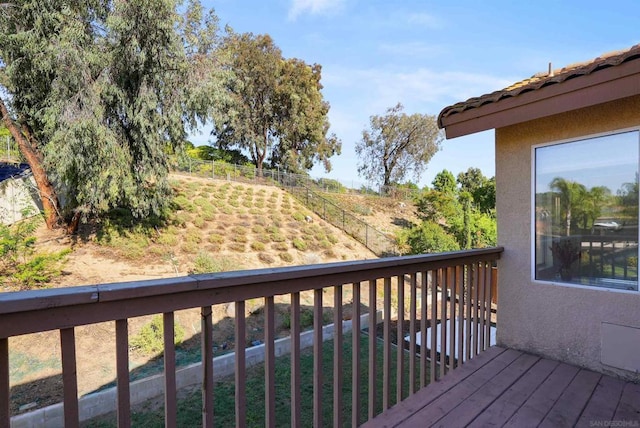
x=586, y=211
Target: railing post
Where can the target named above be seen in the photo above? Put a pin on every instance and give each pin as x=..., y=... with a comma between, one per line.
x=4, y=382
x=170, y=407
x=122, y=368
x=206, y=332
x=317, y=358
x=69, y=377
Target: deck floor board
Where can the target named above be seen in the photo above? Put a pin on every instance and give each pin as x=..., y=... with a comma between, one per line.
x=504, y=387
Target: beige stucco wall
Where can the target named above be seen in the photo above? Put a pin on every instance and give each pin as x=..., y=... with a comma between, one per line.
x=559, y=322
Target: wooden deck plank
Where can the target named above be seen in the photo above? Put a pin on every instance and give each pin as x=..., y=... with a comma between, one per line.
x=542, y=400
x=629, y=406
x=567, y=410
x=441, y=406
x=603, y=402
x=423, y=397
x=475, y=404
x=508, y=403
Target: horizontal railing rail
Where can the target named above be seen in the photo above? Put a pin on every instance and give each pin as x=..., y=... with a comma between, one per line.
x=447, y=289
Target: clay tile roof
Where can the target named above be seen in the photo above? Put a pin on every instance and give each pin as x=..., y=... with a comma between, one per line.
x=541, y=80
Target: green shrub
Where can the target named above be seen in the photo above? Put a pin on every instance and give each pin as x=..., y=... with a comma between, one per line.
x=198, y=222
x=277, y=237
x=306, y=318
x=299, y=244
x=257, y=246
x=216, y=238
x=193, y=235
x=150, y=339
x=298, y=216
x=239, y=230
x=332, y=238
x=205, y=263
x=182, y=203
x=167, y=238
x=257, y=229
x=242, y=239
x=190, y=247
x=281, y=246
x=180, y=219
x=286, y=257
x=237, y=247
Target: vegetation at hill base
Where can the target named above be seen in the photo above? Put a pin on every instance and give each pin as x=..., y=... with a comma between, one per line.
x=455, y=214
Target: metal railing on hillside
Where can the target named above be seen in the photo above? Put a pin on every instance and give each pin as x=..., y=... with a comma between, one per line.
x=448, y=289
x=248, y=173
x=307, y=191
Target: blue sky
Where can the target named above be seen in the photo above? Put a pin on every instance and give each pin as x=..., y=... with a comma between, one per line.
x=427, y=55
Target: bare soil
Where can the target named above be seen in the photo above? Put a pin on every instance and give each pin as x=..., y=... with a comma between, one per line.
x=230, y=218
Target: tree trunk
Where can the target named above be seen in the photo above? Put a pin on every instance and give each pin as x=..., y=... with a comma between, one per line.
x=48, y=194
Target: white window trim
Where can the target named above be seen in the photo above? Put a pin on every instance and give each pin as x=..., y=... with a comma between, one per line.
x=532, y=210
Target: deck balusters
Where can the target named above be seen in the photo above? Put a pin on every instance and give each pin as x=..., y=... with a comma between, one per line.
x=386, y=340
x=69, y=377
x=355, y=359
x=4, y=383
x=122, y=374
x=170, y=405
x=455, y=291
x=424, y=284
x=413, y=297
x=317, y=358
x=372, y=349
x=399, y=340
x=337, y=357
x=270, y=361
x=296, y=405
x=241, y=372
x=433, y=289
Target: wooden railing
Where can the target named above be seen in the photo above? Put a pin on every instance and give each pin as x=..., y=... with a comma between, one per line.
x=425, y=290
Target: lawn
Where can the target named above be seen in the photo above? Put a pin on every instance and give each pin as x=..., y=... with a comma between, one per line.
x=189, y=408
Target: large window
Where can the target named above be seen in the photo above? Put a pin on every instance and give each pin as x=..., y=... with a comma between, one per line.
x=586, y=211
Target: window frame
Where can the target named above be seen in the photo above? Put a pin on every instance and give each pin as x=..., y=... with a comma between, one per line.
x=532, y=211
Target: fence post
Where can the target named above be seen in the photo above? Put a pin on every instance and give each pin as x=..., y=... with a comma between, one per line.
x=366, y=235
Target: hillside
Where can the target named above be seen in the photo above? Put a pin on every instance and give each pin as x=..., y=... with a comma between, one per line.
x=218, y=225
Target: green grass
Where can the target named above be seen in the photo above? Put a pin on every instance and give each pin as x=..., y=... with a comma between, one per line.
x=189, y=409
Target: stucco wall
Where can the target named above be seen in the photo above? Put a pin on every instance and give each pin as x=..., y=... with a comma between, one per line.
x=559, y=322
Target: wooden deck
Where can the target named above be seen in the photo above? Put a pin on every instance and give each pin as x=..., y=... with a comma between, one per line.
x=504, y=387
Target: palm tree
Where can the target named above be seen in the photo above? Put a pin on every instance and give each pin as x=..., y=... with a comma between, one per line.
x=571, y=195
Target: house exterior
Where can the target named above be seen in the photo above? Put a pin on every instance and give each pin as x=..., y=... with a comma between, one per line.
x=567, y=154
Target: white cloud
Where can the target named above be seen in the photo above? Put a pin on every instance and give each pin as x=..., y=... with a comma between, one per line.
x=314, y=7
x=420, y=90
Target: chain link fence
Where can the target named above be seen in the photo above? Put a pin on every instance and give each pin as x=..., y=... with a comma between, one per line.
x=305, y=189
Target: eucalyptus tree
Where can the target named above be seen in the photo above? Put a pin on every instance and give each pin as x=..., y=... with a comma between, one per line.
x=397, y=145
x=276, y=110
x=95, y=92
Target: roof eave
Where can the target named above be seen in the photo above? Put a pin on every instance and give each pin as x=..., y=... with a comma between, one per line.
x=607, y=84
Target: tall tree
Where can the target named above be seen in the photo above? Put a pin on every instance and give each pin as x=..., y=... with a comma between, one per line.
x=570, y=193
x=96, y=91
x=481, y=188
x=276, y=110
x=397, y=145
